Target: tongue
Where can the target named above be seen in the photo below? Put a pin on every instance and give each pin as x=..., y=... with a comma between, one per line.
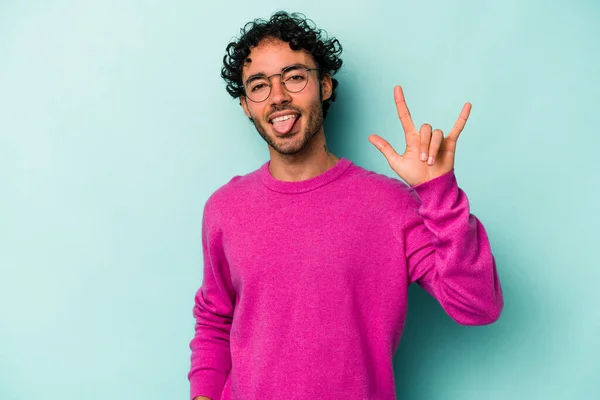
x=283, y=127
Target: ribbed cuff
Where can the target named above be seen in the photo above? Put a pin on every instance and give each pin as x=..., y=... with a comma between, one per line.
x=438, y=192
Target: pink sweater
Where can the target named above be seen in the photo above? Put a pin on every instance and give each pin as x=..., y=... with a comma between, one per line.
x=305, y=283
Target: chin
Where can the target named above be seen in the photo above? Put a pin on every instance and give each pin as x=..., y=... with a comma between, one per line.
x=288, y=149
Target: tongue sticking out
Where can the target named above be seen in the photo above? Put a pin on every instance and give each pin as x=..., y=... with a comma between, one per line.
x=283, y=127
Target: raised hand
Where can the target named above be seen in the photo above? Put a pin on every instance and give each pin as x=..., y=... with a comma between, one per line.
x=428, y=154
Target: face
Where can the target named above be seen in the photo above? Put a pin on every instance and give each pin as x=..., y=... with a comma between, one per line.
x=286, y=121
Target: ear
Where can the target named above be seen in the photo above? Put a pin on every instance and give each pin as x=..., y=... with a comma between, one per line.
x=326, y=87
x=244, y=104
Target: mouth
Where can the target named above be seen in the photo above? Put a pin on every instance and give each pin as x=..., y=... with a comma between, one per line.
x=284, y=123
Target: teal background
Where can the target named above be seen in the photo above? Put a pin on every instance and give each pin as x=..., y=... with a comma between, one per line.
x=115, y=128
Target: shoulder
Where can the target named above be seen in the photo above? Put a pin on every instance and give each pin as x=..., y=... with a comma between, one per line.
x=235, y=191
x=383, y=197
x=377, y=184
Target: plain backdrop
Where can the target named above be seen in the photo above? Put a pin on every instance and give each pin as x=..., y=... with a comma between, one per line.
x=115, y=127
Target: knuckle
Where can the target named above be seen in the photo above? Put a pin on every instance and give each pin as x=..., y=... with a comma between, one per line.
x=404, y=115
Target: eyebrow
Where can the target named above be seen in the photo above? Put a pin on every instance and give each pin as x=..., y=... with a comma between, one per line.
x=260, y=75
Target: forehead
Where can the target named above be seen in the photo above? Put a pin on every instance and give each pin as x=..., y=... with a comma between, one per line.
x=271, y=55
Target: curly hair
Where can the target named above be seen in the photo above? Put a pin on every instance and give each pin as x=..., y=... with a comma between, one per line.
x=295, y=29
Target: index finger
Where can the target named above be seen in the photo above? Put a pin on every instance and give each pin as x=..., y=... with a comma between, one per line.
x=403, y=113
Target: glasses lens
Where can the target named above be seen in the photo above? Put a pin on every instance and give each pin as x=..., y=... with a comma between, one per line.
x=295, y=79
x=258, y=89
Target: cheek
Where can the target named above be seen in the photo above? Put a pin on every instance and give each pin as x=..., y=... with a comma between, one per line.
x=254, y=110
x=316, y=92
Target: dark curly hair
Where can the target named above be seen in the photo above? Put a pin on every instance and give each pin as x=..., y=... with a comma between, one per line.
x=295, y=29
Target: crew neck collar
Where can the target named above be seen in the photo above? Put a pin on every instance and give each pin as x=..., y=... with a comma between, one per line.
x=305, y=185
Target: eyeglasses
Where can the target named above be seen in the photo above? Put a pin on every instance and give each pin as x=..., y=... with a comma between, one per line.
x=293, y=78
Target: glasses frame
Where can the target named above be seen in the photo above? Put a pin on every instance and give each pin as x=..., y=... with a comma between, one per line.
x=283, y=71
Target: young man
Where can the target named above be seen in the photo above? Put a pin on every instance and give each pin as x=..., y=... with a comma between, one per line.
x=307, y=260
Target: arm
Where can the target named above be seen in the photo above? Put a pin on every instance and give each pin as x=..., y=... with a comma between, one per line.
x=213, y=311
x=447, y=249
x=448, y=252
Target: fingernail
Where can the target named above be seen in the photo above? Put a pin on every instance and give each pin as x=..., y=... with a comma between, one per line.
x=430, y=161
x=423, y=156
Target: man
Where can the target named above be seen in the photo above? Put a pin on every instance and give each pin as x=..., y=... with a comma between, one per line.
x=307, y=260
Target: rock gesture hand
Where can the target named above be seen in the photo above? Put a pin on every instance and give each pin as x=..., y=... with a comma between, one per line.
x=428, y=153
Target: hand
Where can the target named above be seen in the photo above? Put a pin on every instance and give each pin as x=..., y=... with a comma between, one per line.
x=428, y=154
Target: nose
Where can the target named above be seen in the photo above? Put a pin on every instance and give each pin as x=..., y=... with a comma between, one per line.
x=279, y=95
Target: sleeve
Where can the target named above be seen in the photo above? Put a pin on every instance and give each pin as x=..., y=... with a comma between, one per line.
x=213, y=312
x=448, y=252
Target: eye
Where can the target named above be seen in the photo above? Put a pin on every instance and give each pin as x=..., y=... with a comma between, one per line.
x=258, y=87
x=296, y=78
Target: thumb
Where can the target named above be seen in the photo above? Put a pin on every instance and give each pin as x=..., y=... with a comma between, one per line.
x=386, y=149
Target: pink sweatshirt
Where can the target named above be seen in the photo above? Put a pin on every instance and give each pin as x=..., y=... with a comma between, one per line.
x=305, y=283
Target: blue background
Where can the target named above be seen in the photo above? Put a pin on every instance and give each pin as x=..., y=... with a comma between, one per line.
x=115, y=127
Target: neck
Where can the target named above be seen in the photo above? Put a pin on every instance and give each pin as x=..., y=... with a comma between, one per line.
x=312, y=161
